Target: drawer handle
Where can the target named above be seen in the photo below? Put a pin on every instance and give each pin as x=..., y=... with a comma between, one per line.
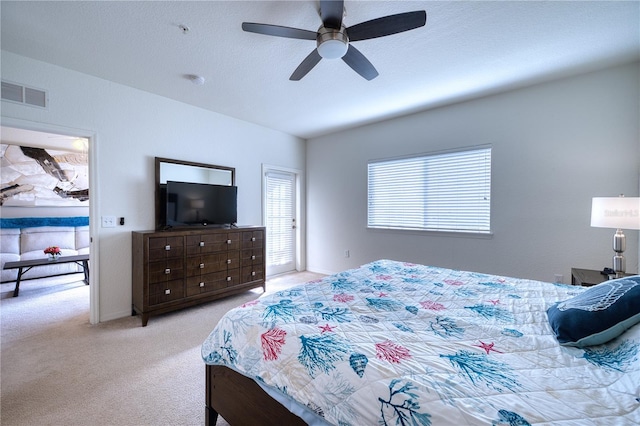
x=167, y=271
x=228, y=261
x=228, y=278
x=253, y=238
x=202, y=266
x=167, y=291
x=228, y=241
x=253, y=258
x=201, y=284
x=253, y=273
x=167, y=247
x=201, y=243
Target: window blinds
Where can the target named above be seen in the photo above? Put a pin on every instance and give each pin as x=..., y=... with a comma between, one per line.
x=279, y=216
x=440, y=192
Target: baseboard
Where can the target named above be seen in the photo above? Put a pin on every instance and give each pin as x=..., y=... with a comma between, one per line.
x=114, y=315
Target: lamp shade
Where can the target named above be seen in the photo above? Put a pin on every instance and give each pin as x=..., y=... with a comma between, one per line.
x=615, y=212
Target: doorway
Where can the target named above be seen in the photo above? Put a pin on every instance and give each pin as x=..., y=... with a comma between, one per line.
x=281, y=219
x=56, y=138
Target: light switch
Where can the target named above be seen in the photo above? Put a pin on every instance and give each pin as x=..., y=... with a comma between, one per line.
x=108, y=221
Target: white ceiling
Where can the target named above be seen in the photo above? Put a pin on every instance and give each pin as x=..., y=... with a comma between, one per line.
x=467, y=49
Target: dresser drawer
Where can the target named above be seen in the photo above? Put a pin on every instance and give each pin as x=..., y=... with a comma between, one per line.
x=233, y=278
x=198, y=265
x=166, y=270
x=166, y=291
x=212, y=243
x=252, y=239
x=206, y=283
x=252, y=274
x=165, y=248
x=251, y=257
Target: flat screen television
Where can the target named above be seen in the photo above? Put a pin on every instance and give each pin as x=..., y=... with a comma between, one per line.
x=199, y=204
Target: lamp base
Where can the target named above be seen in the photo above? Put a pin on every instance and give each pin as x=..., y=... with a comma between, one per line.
x=619, y=245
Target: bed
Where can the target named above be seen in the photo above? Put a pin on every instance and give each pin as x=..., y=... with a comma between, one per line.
x=395, y=343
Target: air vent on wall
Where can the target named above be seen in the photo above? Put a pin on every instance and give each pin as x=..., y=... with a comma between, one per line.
x=13, y=92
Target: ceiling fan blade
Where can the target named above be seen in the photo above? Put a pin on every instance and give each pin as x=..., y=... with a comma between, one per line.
x=387, y=25
x=279, y=31
x=331, y=12
x=359, y=63
x=306, y=65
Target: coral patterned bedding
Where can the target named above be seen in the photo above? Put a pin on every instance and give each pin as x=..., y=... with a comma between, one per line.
x=395, y=343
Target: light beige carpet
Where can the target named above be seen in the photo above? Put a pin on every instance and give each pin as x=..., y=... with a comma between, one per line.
x=57, y=369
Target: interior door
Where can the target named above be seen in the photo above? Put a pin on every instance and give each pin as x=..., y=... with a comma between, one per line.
x=280, y=210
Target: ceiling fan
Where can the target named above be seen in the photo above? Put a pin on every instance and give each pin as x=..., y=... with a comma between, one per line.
x=334, y=39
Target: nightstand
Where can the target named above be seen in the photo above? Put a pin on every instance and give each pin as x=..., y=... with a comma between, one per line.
x=588, y=277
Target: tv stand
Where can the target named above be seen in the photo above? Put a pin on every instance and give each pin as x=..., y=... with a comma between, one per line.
x=177, y=268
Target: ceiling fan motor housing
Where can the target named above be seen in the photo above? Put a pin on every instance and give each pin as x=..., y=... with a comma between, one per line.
x=332, y=43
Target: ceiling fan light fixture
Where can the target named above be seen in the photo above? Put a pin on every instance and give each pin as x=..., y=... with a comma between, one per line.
x=332, y=44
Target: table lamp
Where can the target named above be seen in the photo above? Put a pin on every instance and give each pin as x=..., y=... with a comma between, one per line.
x=618, y=213
x=197, y=205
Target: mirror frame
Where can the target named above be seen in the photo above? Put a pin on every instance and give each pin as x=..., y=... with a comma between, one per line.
x=160, y=160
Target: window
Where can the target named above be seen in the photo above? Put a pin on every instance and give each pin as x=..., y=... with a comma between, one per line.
x=438, y=192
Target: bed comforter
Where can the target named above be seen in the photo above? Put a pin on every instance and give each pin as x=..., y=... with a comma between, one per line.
x=396, y=343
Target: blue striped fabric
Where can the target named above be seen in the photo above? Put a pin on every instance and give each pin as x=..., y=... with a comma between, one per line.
x=30, y=222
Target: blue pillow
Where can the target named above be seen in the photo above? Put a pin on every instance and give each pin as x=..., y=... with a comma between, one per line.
x=601, y=313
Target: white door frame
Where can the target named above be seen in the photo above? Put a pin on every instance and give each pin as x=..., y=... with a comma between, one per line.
x=94, y=255
x=300, y=263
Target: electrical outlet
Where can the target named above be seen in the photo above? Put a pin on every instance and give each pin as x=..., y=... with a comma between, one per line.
x=558, y=278
x=108, y=221
x=346, y=253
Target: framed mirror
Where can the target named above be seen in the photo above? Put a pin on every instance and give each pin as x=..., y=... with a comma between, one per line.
x=168, y=169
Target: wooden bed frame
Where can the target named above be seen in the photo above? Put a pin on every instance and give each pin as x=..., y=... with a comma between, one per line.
x=241, y=401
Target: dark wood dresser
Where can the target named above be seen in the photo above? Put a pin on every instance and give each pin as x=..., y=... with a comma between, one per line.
x=179, y=268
